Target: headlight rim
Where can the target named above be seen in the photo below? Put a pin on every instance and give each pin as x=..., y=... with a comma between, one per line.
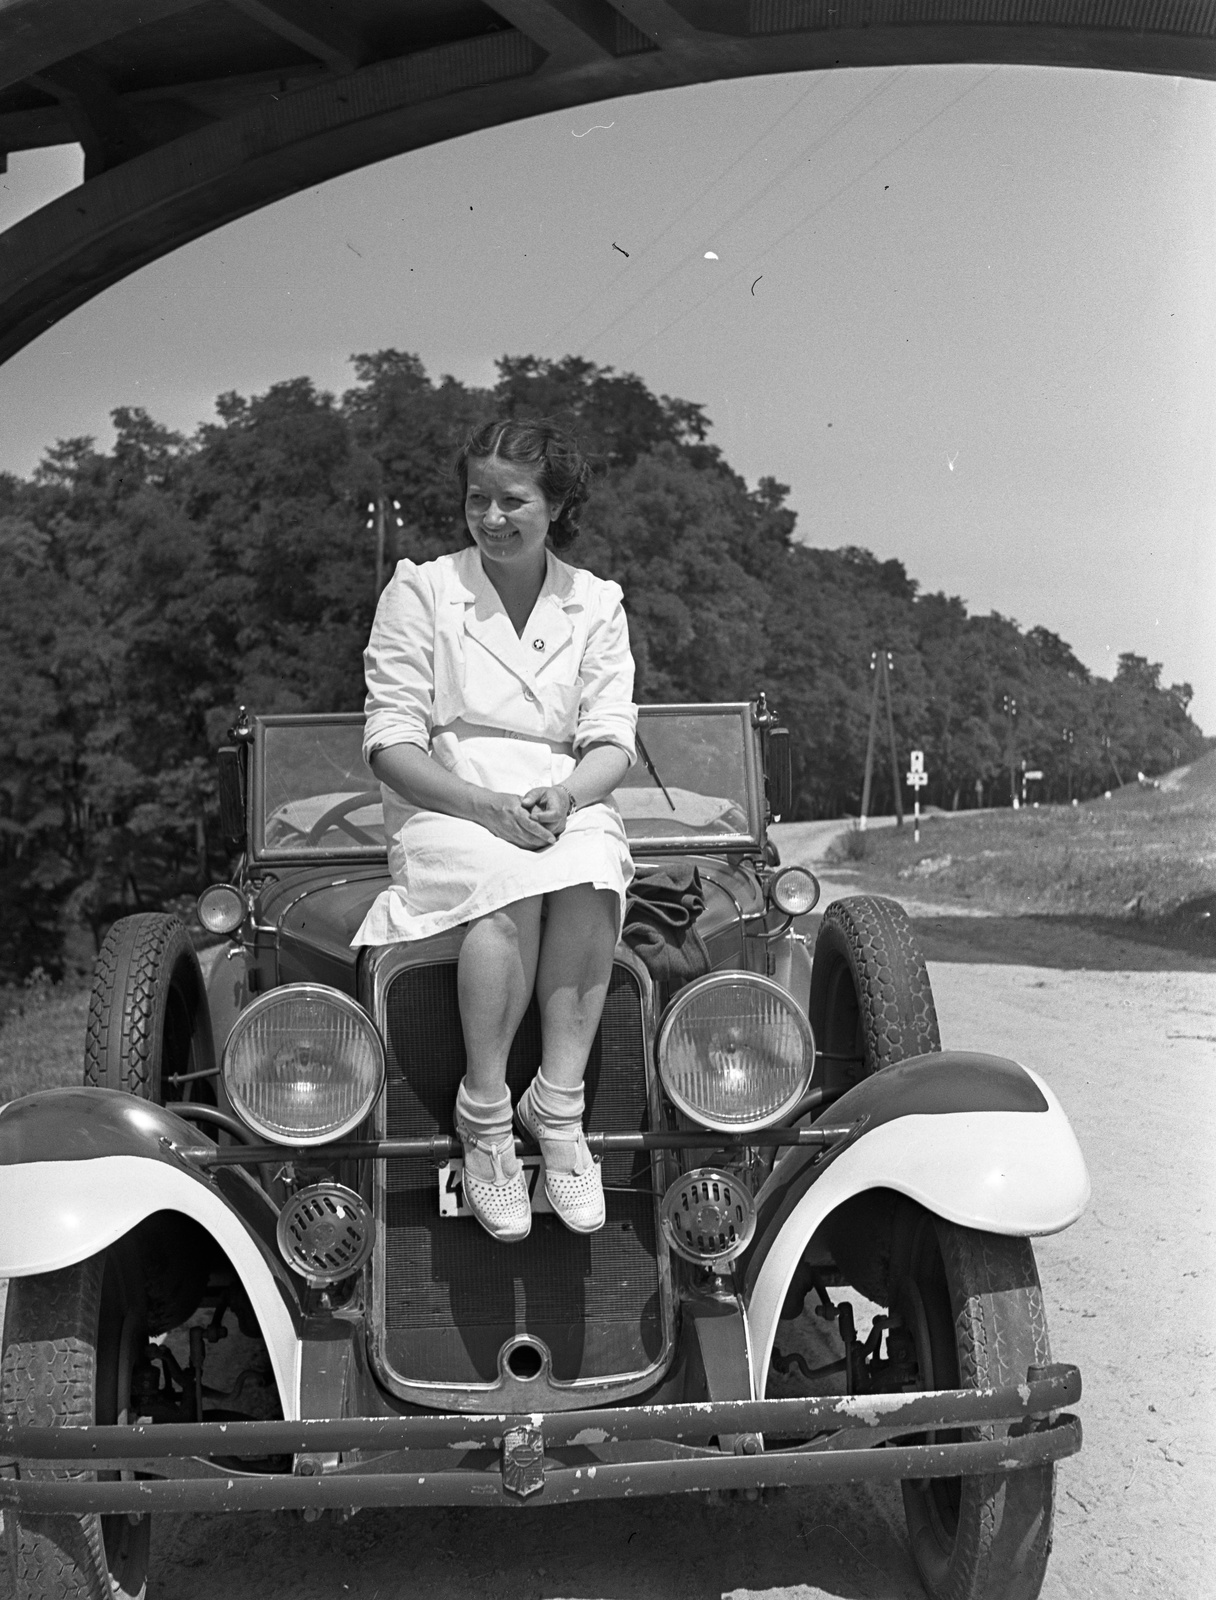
x=241, y=909
x=717, y=980
x=309, y=991
x=785, y=872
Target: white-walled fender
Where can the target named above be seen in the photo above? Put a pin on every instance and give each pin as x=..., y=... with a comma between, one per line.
x=1008, y=1172
x=55, y=1213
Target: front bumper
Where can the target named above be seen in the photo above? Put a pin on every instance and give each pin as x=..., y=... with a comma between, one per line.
x=348, y=1463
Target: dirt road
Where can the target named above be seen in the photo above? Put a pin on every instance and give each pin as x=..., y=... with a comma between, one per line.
x=1129, y=1289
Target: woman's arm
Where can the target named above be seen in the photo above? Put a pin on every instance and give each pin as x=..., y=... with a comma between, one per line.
x=410, y=772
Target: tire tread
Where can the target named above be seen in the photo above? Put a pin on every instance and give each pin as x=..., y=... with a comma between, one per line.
x=50, y=1383
x=1001, y=1329
x=876, y=936
x=123, y=1041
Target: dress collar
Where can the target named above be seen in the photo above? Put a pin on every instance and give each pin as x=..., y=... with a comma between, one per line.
x=549, y=628
x=473, y=580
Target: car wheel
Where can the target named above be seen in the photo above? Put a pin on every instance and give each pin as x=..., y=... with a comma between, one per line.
x=147, y=1016
x=973, y=1305
x=71, y=1342
x=871, y=1004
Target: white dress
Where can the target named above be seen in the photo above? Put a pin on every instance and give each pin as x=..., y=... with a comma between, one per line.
x=447, y=672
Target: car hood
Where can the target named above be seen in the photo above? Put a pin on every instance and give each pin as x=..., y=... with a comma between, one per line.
x=324, y=906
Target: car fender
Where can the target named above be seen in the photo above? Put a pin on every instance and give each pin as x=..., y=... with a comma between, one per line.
x=978, y=1140
x=80, y=1168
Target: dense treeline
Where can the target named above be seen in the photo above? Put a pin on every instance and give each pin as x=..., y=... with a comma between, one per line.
x=148, y=590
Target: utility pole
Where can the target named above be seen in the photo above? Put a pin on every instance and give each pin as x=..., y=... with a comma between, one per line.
x=377, y=517
x=1011, y=711
x=1068, y=736
x=865, y=788
x=881, y=664
x=1110, y=757
x=885, y=667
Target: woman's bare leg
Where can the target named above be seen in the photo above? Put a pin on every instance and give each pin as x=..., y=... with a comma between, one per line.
x=494, y=980
x=572, y=975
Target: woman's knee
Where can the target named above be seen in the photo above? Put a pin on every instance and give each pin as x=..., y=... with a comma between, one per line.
x=515, y=924
x=581, y=931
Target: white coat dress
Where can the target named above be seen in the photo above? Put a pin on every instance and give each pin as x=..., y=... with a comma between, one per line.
x=447, y=672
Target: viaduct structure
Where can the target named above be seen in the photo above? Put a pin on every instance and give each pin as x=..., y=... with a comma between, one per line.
x=194, y=112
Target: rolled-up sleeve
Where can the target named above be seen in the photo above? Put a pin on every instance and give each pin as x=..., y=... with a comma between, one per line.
x=606, y=712
x=399, y=664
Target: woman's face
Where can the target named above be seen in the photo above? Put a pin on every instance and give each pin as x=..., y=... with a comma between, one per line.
x=507, y=512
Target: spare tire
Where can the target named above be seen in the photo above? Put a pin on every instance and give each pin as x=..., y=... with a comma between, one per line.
x=871, y=1004
x=148, y=1020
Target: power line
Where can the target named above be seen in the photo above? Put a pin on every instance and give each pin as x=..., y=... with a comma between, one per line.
x=808, y=151
x=810, y=215
x=695, y=201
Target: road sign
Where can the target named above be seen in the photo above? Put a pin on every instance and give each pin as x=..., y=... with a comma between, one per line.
x=917, y=779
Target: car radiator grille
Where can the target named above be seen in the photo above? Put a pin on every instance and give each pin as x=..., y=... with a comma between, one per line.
x=451, y=1295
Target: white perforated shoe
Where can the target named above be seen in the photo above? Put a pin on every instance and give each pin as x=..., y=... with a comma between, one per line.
x=573, y=1180
x=499, y=1202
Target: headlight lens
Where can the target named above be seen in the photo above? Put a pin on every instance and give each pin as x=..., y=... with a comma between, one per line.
x=221, y=908
x=735, y=1052
x=795, y=891
x=303, y=1064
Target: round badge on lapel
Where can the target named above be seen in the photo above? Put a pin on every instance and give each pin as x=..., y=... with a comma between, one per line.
x=538, y=644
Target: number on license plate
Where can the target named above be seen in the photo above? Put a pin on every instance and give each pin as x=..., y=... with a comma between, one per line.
x=452, y=1202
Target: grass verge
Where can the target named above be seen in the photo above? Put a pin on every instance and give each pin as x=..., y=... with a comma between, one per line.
x=41, y=1038
x=1144, y=859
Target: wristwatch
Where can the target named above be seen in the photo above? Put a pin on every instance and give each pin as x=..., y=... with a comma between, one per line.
x=571, y=802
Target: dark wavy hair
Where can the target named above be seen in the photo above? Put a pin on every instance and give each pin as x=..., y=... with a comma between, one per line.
x=564, y=474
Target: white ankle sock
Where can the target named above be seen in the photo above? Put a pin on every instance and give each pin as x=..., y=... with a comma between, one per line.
x=491, y=1124
x=561, y=1110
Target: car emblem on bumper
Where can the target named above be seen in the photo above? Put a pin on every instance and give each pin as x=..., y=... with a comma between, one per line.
x=523, y=1461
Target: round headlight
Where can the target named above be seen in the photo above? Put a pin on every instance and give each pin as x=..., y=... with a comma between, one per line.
x=303, y=1064
x=795, y=891
x=735, y=1052
x=221, y=909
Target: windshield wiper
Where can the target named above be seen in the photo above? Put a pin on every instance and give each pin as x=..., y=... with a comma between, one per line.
x=650, y=768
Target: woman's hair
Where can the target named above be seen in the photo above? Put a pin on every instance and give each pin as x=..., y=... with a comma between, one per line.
x=562, y=471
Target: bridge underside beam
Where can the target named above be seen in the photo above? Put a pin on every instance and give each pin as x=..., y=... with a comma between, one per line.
x=169, y=161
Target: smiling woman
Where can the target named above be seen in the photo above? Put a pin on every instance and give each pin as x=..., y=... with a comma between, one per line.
x=500, y=719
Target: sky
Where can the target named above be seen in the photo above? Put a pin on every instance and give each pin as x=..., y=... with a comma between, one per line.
x=965, y=313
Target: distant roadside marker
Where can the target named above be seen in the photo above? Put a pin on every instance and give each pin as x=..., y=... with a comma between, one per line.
x=917, y=779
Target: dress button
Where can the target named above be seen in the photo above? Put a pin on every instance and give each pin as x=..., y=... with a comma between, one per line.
x=538, y=644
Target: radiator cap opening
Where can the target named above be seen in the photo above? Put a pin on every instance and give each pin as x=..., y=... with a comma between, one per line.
x=524, y=1359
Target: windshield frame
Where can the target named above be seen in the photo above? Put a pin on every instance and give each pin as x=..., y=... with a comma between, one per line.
x=710, y=843
x=259, y=850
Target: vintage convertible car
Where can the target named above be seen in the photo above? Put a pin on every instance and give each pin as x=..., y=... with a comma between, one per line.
x=242, y=1275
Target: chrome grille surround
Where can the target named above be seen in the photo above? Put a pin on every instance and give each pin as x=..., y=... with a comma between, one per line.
x=503, y=1391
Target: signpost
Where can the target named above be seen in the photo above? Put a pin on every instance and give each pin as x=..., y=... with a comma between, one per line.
x=917, y=779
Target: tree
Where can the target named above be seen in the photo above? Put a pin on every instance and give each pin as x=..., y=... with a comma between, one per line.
x=147, y=591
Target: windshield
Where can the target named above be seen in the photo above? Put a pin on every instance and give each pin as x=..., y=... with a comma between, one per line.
x=692, y=781
x=693, y=784
x=315, y=794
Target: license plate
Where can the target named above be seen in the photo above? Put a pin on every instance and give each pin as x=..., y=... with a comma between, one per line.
x=452, y=1202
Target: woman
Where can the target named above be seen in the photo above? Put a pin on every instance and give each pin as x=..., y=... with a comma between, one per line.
x=500, y=718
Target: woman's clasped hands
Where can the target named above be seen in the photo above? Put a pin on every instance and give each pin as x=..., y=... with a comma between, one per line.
x=531, y=821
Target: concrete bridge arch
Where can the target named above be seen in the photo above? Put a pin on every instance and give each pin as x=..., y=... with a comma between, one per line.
x=192, y=113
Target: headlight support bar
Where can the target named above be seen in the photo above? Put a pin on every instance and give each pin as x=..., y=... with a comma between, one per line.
x=445, y=1148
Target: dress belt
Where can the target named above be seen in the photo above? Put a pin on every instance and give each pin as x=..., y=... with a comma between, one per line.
x=476, y=730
